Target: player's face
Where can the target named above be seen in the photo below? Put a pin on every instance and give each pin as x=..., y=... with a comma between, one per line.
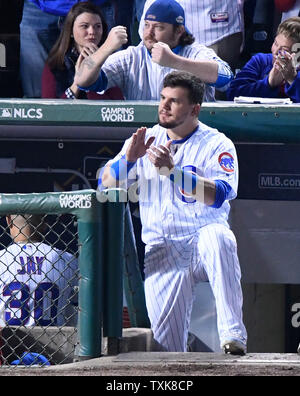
x=160, y=31
x=175, y=108
x=87, y=29
x=281, y=43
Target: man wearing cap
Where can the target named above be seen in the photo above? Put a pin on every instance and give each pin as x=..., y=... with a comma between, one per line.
x=217, y=24
x=139, y=71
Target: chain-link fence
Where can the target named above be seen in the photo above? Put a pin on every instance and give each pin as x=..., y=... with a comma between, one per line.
x=63, y=260
x=39, y=277
x=51, y=258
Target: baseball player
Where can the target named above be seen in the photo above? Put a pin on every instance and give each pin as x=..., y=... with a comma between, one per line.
x=216, y=24
x=37, y=281
x=186, y=172
x=139, y=71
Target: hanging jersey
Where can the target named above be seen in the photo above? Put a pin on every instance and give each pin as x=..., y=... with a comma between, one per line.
x=37, y=285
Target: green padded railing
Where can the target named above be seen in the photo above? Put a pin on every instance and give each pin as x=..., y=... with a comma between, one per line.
x=101, y=227
x=240, y=122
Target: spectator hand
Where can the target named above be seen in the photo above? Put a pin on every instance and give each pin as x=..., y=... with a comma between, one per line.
x=162, y=54
x=85, y=53
x=89, y=50
x=286, y=66
x=275, y=76
x=116, y=38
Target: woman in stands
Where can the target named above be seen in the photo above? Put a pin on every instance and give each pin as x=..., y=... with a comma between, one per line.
x=83, y=32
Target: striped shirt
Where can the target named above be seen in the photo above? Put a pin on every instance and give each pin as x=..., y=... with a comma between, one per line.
x=133, y=71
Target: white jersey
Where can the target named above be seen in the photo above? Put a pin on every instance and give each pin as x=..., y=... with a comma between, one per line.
x=209, y=20
x=188, y=242
x=133, y=71
x=167, y=213
x=293, y=12
x=37, y=285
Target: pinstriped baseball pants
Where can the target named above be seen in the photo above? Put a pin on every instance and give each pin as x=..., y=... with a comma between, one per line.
x=171, y=272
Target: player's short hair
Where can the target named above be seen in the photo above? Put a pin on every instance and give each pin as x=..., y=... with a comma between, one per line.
x=193, y=84
x=290, y=28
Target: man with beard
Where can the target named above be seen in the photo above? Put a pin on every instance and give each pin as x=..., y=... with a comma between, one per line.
x=167, y=45
x=186, y=172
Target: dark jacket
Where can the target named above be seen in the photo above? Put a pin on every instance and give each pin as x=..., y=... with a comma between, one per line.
x=56, y=82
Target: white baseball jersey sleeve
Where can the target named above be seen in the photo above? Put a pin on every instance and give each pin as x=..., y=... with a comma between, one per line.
x=37, y=285
x=133, y=71
x=209, y=20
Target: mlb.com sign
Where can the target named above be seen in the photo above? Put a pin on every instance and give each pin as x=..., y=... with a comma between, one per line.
x=20, y=113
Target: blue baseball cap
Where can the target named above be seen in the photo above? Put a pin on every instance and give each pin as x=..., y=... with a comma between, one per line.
x=168, y=11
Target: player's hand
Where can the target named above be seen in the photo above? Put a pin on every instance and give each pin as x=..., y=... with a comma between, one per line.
x=162, y=54
x=162, y=158
x=116, y=38
x=137, y=147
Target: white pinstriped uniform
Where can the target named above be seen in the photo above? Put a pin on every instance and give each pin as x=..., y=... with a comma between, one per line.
x=133, y=71
x=33, y=271
x=188, y=242
x=203, y=18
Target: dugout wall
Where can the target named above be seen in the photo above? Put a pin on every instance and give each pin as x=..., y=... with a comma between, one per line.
x=62, y=144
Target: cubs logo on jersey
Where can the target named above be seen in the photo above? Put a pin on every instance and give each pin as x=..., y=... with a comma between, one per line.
x=226, y=162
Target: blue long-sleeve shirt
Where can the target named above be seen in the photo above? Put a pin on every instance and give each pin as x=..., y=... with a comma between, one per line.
x=252, y=81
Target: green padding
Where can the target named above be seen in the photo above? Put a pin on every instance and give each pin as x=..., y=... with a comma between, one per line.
x=100, y=256
x=240, y=122
x=133, y=282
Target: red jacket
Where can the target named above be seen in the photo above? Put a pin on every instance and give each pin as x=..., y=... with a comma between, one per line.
x=284, y=5
x=49, y=89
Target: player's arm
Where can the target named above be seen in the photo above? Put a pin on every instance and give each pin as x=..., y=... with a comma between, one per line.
x=116, y=172
x=211, y=70
x=87, y=73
